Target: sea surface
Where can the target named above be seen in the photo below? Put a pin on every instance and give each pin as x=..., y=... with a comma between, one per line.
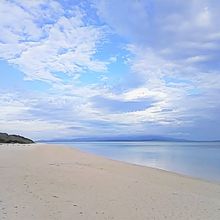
x=195, y=159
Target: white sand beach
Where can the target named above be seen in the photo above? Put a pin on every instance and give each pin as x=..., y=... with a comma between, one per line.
x=49, y=182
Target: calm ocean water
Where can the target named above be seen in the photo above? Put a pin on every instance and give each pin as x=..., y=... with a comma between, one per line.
x=196, y=159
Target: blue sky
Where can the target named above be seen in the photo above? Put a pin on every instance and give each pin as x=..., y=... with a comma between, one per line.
x=101, y=68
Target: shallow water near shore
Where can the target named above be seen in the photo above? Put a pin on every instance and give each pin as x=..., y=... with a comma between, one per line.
x=195, y=159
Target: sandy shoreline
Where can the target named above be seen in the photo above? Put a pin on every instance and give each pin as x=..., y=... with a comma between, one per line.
x=46, y=182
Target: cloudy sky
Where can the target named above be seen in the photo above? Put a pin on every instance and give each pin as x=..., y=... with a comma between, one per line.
x=73, y=68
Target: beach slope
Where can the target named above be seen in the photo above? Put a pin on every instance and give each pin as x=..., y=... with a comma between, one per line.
x=51, y=182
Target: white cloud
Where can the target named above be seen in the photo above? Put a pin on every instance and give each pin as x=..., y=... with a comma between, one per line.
x=173, y=29
x=47, y=41
x=166, y=53
x=174, y=53
x=183, y=93
x=143, y=93
x=11, y=107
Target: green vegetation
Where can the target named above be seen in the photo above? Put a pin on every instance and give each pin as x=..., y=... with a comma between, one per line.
x=5, y=138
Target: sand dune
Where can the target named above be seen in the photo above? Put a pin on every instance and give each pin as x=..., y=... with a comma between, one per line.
x=46, y=182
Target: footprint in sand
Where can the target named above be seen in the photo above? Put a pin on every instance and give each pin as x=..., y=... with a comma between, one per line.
x=55, y=197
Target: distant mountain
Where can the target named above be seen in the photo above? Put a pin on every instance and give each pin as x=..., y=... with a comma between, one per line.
x=5, y=138
x=116, y=138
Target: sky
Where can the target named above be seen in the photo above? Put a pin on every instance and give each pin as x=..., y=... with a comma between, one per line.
x=71, y=68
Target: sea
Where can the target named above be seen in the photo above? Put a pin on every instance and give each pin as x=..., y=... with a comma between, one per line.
x=195, y=159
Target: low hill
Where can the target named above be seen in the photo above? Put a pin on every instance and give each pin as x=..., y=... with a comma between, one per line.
x=116, y=138
x=5, y=138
